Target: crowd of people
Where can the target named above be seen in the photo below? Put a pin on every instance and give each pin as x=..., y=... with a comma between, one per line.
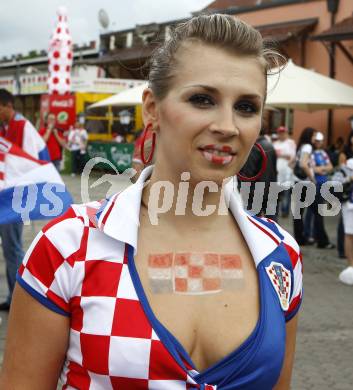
x=75, y=140
x=307, y=162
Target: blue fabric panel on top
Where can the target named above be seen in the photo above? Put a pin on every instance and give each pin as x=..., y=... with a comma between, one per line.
x=257, y=363
x=270, y=225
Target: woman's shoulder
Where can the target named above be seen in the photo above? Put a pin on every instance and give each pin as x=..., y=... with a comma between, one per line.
x=66, y=232
x=290, y=259
x=285, y=238
x=76, y=216
x=57, y=254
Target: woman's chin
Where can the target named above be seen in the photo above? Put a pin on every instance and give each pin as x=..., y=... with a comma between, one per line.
x=213, y=174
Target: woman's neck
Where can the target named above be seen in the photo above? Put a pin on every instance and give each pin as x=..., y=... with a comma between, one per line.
x=179, y=200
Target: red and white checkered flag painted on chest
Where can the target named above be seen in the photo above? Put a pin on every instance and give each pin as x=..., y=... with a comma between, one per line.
x=60, y=56
x=194, y=273
x=281, y=280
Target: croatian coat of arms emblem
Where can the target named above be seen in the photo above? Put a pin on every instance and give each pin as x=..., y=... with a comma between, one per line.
x=281, y=280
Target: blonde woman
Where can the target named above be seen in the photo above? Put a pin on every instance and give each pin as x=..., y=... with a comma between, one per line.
x=136, y=293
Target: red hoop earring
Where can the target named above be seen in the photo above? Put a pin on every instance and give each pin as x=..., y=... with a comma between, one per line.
x=263, y=165
x=145, y=132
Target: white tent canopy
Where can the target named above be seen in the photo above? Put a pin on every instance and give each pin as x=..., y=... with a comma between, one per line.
x=129, y=97
x=293, y=87
x=299, y=88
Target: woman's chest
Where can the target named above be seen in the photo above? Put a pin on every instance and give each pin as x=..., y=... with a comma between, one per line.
x=203, y=290
x=116, y=317
x=116, y=307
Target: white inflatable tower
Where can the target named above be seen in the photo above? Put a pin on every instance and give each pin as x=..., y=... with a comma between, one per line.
x=60, y=56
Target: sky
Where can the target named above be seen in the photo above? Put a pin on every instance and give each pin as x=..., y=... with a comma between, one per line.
x=26, y=25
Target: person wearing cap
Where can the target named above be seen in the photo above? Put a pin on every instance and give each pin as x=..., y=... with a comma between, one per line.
x=321, y=161
x=322, y=167
x=306, y=164
x=285, y=149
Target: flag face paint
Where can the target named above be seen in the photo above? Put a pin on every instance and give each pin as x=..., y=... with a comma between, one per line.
x=194, y=273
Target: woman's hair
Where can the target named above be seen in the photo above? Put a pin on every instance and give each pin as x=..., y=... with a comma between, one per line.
x=306, y=136
x=221, y=31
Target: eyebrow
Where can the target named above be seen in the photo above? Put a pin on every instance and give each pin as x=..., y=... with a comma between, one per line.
x=215, y=90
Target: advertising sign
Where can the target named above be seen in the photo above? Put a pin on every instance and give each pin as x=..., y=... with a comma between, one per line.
x=120, y=155
x=63, y=106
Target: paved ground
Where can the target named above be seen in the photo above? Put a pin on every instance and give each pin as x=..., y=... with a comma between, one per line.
x=324, y=358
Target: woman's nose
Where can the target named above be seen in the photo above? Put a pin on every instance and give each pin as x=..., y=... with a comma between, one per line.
x=225, y=123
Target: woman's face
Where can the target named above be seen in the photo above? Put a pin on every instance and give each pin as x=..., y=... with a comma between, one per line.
x=211, y=116
x=51, y=119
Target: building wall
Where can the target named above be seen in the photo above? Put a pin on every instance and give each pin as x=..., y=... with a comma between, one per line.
x=316, y=56
x=344, y=72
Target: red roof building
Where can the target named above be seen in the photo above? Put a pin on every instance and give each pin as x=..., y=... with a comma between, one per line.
x=314, y=38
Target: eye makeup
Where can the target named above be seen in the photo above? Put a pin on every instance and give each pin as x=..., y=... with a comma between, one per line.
x=246, y=105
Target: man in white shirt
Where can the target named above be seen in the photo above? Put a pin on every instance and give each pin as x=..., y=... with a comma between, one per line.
x=77, y=143
x=285, y=149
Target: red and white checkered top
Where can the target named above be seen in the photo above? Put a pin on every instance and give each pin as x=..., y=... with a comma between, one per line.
x=78, y=266
x=86, y=276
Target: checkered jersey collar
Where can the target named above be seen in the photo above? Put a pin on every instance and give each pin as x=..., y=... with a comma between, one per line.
x=119, y=218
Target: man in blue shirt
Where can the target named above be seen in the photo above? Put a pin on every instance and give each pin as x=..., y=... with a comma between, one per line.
x=322, y=167
x=321, y=161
